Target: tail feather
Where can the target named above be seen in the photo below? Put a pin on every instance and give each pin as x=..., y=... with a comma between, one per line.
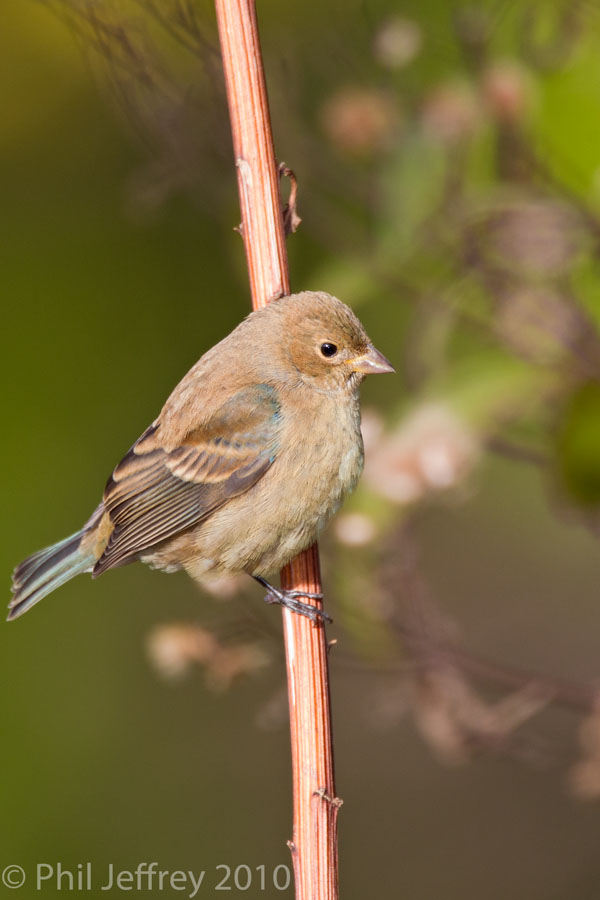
x=44, y=571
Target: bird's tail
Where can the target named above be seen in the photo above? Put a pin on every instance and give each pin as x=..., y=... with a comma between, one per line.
x=46, y=570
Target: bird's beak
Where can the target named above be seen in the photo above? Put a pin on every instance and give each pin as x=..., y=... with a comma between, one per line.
x=372, y=362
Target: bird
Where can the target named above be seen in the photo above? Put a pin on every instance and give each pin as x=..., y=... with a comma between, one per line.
x=250, y=456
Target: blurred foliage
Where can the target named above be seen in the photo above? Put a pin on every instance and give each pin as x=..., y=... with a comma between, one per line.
x=448, y=169
x=579, y=445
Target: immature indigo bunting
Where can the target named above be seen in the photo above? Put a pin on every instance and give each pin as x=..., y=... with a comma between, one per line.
x=250, y=456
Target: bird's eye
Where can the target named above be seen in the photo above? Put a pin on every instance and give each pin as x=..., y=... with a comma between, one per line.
x=328, y=349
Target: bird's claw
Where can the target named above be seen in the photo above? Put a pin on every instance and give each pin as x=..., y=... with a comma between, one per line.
x=294, y=594
x=289, y=599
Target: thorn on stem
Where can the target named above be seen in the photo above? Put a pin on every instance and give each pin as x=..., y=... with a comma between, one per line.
x=335, y=802
x=291, y=219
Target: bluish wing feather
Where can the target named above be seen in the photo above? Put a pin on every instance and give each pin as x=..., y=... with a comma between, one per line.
x=154, y=494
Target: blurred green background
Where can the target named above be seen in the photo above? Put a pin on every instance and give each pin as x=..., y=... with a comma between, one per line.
x=448, y=159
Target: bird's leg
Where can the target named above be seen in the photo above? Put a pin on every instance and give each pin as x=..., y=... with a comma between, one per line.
x=290, y=600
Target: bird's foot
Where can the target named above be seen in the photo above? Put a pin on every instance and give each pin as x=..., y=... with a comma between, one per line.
x=290, y=600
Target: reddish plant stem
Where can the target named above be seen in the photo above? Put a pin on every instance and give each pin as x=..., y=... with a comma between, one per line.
x=314, y=841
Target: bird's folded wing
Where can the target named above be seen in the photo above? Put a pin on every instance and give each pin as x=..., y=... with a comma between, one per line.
x=154, y=494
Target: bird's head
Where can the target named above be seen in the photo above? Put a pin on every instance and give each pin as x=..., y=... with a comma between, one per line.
x=325, y=343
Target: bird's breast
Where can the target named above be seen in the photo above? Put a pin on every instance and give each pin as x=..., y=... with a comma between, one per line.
x=324, y=450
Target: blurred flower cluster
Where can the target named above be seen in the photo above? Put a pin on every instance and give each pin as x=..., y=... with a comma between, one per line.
x=430, y=450
x=174, y=649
